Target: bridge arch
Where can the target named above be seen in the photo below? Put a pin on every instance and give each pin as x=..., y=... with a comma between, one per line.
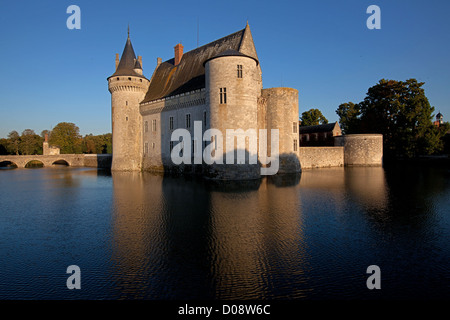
x=8, y=164
x=34, y=164
x=61, y=162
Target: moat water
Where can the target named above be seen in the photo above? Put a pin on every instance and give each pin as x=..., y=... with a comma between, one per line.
x=306, y=236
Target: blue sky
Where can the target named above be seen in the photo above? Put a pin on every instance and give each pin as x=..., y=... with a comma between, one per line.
x=51, y=74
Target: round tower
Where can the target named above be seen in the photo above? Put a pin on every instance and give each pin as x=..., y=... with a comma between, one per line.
x=128, y=87
x=232, y=91
x=282, y=114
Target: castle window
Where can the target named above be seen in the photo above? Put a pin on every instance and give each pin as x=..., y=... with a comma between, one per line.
x=188, y=121
x=294, y=127
x=223, y=95
x=126, y=103
x=239, y=71
x=129, y=78
x=146, y=148
x=140, y=80
x=171, y=123
x=127, y=118
x=118, y=78
x=153, y=145
x=295, y=144
x=154, y=125
x=146, y=126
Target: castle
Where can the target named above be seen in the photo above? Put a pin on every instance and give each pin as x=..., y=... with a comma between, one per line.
x=219, y=84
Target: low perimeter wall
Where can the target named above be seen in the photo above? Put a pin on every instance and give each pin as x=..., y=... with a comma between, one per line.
x=361, y=149
x=321, y=157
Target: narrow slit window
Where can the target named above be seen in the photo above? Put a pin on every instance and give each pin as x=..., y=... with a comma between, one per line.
x=171, y=123
x=295, y=144
x=188, y=121
x=294, y=127
x=146, y=126
x=223, y=95
x=239, y=71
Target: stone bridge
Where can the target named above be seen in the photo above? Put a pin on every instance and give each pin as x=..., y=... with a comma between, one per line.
x=74, y=160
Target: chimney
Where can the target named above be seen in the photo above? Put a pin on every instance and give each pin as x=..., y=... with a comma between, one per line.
x=140, y=61
x=46, y=137
x=158, y=61
x=117, y=60
x=178, y=53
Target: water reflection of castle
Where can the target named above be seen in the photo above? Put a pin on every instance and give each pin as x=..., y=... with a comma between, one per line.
x=164, y=224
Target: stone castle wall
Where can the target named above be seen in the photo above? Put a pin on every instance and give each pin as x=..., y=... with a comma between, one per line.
x=282, y=114
x=361, y=149
x=156, y=139
x=321, y=157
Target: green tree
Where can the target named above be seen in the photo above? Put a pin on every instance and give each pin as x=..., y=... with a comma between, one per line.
x=66, y=136
x=30, y=143
x=401, y=112
x=312, y=117
x=89, y=144
x=13, y=144
x=97, y=144
x=348, y=117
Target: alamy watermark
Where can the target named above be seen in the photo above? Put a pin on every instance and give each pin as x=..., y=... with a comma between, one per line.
x=74, y=20
x=374, y=281
x=374, y=21
x=189, y=149
x=74, y=281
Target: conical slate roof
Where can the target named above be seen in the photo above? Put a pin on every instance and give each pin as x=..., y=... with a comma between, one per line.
x=127, y=62
x=231, y=53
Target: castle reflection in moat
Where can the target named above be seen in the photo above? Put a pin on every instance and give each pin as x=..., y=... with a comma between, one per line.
x=226, y=240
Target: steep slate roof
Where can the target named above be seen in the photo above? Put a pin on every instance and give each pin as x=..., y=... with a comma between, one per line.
x=230, y=53
x=319, y=128
x=189, y=74
x=128, y=62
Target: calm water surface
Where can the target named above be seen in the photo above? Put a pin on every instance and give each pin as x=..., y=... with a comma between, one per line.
x=144, y=236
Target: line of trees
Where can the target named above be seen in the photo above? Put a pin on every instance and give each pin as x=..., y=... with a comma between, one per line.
x=402, y=113
x=65, y=135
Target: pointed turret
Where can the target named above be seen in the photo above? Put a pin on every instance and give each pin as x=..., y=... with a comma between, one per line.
x=127, y=63
x=247, y=46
